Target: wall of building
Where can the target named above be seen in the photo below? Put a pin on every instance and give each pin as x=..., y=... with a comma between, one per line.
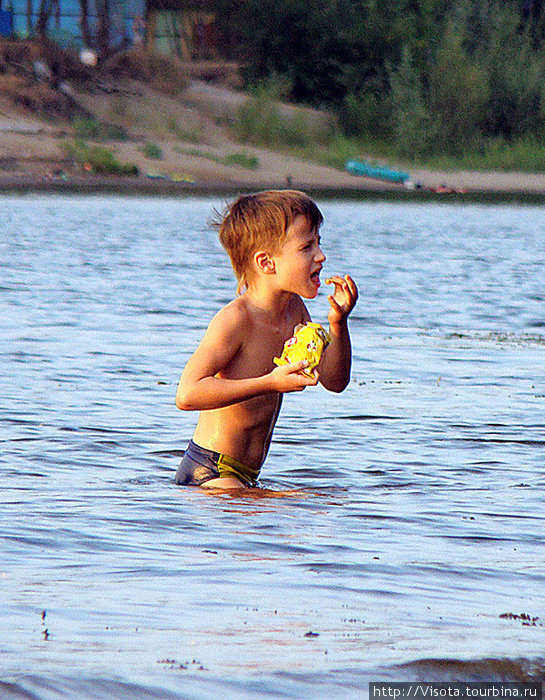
x=188, y=33
x=64, y=25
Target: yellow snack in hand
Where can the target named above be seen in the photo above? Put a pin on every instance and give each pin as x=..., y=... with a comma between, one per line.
x=308, y=342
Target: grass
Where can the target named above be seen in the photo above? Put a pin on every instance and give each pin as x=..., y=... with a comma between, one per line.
x=242, y=160
x=525, y=155
x=239, y=159
x=86, y=128
x=98, y=159
x=152, y=151
x=184, y=132
x=260, y=121
x=89, y=128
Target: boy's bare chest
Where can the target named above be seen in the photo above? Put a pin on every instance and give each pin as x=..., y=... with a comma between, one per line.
x=262, y=345
x=258, y=348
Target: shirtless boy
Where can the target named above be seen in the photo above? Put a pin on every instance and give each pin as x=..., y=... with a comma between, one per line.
x=273, y=241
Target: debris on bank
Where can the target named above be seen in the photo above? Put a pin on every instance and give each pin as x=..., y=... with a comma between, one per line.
x=380, y=172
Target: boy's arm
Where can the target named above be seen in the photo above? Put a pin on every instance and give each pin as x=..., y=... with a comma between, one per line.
x=200, y=388
x=334, y=368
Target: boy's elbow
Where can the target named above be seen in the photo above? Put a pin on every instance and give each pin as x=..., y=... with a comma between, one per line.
x=183, y=400
x=337, y=388
x=336, y=385
x=180, y=403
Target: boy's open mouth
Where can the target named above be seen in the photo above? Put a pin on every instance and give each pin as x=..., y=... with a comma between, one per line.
x=315, y=277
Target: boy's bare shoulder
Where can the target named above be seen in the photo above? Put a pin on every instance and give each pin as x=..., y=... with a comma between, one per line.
x=237, y=319
x=231, y=318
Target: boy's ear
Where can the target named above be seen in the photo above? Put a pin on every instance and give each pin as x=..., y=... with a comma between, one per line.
x=264, y=262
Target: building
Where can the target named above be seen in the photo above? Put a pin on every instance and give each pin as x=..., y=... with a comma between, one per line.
x=183, y=28
x=65, y=20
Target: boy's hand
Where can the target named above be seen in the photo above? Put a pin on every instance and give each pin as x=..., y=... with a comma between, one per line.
x=288, y=378
x=343, y=299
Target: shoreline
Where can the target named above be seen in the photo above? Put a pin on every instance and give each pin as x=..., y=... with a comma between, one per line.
x=362, y=189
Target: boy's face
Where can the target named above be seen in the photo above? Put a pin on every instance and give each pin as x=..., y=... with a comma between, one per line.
x=299, y=262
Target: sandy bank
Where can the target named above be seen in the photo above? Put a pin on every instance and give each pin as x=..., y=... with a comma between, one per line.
x=479, y=188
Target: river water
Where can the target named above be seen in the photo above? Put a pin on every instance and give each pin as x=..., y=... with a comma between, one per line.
x=411, y=542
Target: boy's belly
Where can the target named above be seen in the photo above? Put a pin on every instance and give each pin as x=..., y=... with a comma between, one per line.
x=242, y=431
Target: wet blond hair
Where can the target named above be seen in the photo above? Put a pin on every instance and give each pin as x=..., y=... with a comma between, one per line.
x=260, y=221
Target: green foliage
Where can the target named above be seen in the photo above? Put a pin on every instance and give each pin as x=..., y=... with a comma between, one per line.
x=184, y=132
x=260, y=121
x=412, y=124
x=433, y=76
x=366, y=113
x=86, y=128
x=517, y=82
x=242, y=160
x=99, y=159
x=90, y=128
x=335, y=154
x=153, y=151
x=458, y=92
x=526, y=154
x=521, y=155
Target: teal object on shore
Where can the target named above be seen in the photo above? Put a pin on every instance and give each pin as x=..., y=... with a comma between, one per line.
x=360, y=167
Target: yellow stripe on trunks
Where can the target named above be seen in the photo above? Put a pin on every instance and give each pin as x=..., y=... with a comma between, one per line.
x=227, y=466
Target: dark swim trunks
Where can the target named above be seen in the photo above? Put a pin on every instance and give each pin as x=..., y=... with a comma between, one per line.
x=200, y=465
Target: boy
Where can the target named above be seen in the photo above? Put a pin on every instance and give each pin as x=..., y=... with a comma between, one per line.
x=273, y=241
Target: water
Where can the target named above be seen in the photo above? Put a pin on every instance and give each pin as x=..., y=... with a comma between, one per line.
x=417, y=522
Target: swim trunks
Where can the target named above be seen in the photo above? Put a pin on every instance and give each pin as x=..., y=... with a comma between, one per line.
x=200, y=465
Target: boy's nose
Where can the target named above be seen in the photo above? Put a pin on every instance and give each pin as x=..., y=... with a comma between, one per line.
x=320, y=257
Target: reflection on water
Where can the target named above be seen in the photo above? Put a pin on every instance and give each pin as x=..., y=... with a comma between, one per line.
x=400, y=530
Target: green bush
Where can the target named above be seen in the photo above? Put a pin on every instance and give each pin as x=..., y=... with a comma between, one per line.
x=367, y=113
x=183, y=132
x=89, y=128
x=517, y=91
x=524, y=155
x=413, y=128
x=100, y=160
x=298, y=131
x=458, y=92
x=152, y=150
x=86, y=128
x=242, y=160
x=114, y=132
x=258, y=121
